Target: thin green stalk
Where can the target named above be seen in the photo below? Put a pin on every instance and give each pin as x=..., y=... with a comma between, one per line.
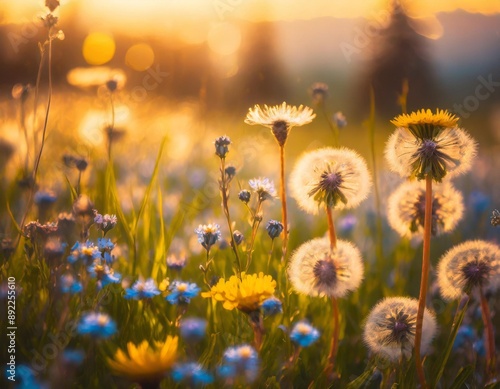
x=284, y=212
x=224, y=189
x=424, y=280
x=257, y=218
x=333, y=127
x=112, y=125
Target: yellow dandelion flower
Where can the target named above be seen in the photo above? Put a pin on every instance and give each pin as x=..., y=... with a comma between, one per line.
x=246, y=294
x=280, y=118
x=145, y=363
x=441, y=118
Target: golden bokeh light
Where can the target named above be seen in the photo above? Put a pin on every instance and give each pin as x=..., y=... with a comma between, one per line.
x=224, y=38
x=140, y=57
x=98, y=48
x=95, y=76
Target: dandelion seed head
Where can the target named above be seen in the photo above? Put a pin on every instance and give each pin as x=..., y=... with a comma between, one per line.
x=317, y=270
x=406, y=209
x=469, y=265
x=337, y=178
x=449, y=153
x=280, y=119
x=391, y=325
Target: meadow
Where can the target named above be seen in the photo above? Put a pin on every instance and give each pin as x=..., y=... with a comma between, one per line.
x=156, y=244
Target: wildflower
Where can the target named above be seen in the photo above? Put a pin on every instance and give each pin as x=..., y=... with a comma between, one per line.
x=208, y=235
x=469, y=265
x=35, y=230
x=145, y=363
x=429, y=144
x=105, y=246
x=240, y=361
x=272, y=306
x=52, y=4
x=304, y=334
x=317, y=270
x=193, y=329
x=77, y=162
x=339, y=119
x=390, y=328
x=87, y=252
x=318, y=92
x=70, y=285
x=222, y=146
x=142, y=290
x=192, y=374
x=274, y=228
x=263, y=187
x=176, y=262
x=96, y=324
x=163, y=286
x=230, y=172
x=246, y=294
x=280, y=119
x=104, y=222
x=407, y=209
x=479, y=202
x=44, y=199
x=26, y=377
x=465, y=334
x=73, y=357
x=337, y=178
x=182, y=292
x=244, y=196
x=347, y=224
x=238, y=237
x=21, y=91
x=495, y=218
x=104, y=274
x=53, y=249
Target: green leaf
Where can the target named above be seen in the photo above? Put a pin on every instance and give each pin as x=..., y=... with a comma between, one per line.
x=462, y=376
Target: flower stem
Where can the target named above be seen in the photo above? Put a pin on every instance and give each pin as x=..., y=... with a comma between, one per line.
x=270, y=255
x=257, y=218
x=111, y=127
x=331, y=228
x=424, y=279
x=335, y=338
x=284, y=213
x=225, y=206
x=490, y=338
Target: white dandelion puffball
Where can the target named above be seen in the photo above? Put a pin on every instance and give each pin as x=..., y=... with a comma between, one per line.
x=469, y=265
x=337, y=178
x=390, y=328
x=449, y=153
x=317, y=270
x=406, y=209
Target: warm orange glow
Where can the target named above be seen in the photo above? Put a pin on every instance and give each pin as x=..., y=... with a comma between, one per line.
x=224, y=38
x=140, y=57
x=98, y=48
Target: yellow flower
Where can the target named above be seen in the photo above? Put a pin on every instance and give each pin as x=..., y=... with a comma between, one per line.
x=145, y=363
x=441, y=118
x=246, y=294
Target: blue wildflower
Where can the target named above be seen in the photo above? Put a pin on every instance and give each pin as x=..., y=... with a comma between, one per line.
x=465, y=334
x=104, y=245
x=193, y=329
x=25, y=376
x=73, y=357
x=208, y=235
x=96, y=324
x=479, y=202
x=142, y=290
x=347, y=224
x=191, y=373
x=69, y=284
x=182, y=292
x=274, y=228
x=44, y=198
x=304, y=334
x=240, y=361
x=479, y=347
x=272, y=306
x=84, y=251
x=339, y=119
x=104, y=274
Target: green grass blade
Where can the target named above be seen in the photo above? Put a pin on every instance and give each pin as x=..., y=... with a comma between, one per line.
x=462, y=376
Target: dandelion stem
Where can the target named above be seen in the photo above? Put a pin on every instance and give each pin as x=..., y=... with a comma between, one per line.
x=283, y=202
x=490, y=338
x=225, y=206
x=331, y=228
x=335, y=338
x=424, y=279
